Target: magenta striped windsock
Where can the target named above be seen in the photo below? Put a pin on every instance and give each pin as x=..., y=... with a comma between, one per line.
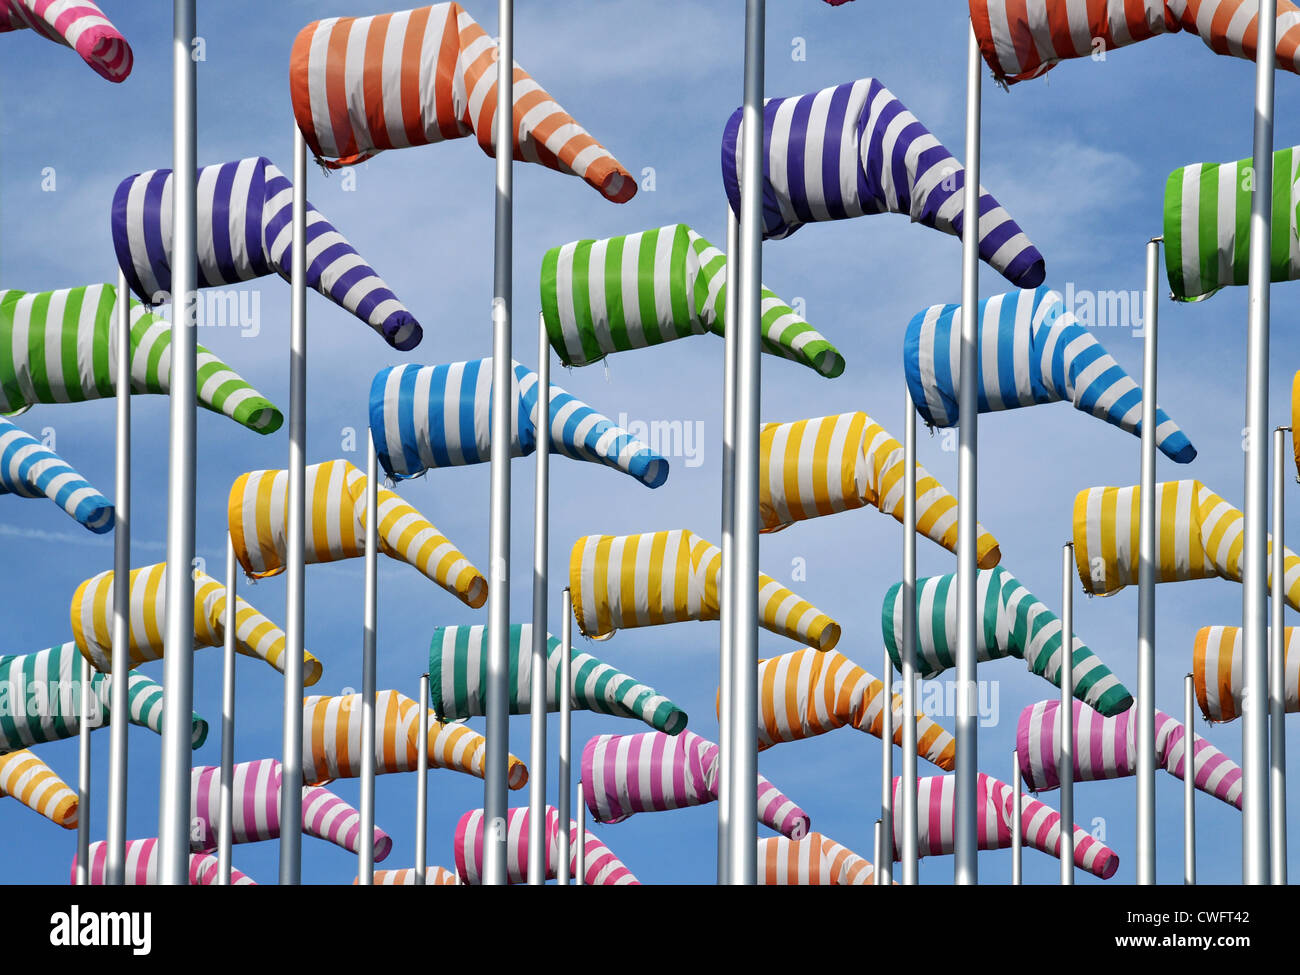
x=814, y=860
x=603, y=869
x=1106, y=748
x=937, y=815
x=80, y=25
x=653, y=772
x=142, y=860
x=256, y=810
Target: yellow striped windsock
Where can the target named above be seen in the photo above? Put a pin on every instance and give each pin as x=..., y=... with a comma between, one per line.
x=33, y=783
x=1295, y=422
x=816, y=467
x=814, y=860
x=622, y=581
x=1198, y=536
x=92, y=619
x=1216, y=671
x=336, y=519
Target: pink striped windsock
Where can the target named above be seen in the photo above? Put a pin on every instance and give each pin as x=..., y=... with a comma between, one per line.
x=433, y=877
x=80, y=25
x=653, y=772
x=814, y=860
x=1106, y=748
x=142, y=860
x=603, y=869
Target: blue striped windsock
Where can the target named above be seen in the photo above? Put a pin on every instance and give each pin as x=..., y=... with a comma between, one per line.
x=1041, y=354
x=425, y=417
x=29, y=469
x=855, y=149
x=245, y=230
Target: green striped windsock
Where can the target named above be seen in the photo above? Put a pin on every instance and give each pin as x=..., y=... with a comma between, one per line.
x=58, y=347
x=1207, y=225
x=458, y=680
x=1013, y=622
x=621, y=293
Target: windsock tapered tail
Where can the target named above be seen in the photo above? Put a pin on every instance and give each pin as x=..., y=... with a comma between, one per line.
x=458, y=680
x=80, y=25
x=1216, y=671
x=652, y=772
x=1011, y=622
x=622, y=581
x=994, y=806
x=1106, y=748
x=810, y=861
x=433, y=877
x=1022, y=40
x=58, y=351
x=92, y=617
x=807, y=693
x=1198, y=536
x=816, y=467
x=142, y=866
x=603, y=869
x=1032, y=350
x=855, y=149
x=364, y=84
x=26, y=778
x=258, y=515
x=426, y=417
x=245, y=231
x=29, y=469
x=255, y=787
x=331, y=741
x=622, y=293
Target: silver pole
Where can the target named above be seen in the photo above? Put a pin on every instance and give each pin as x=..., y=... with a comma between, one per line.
x=566, y=733
x=541, y=555
x=178, y=633
x=498, y=662
x=225, y=824
x=117, y=763
x=907, y=651
x=1189, y=781
x=1254, y=564
x=879, y=854
x=885, y=859
x=744, y=577
x=726, y=682
x=1277, y=669
x=966, y=867
x=1017, y=820
x=580, y=867
x=1065, y=753
x=422, y=787
x=83, y=778
x=369, y=639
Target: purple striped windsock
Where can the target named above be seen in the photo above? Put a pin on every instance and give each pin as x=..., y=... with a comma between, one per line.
x=1106, y=748
x=653, y=772
x=142, y=860
x=603, y=869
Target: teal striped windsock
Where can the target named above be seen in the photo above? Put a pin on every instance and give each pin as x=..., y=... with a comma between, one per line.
x=458, y=680
x=1013, y=623
x=58, y=347
x=29, y=469
x=622, y=293
x=1207, y=225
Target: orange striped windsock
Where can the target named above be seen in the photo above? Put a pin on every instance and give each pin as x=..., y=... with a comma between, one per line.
x=1216, y=671
x=363, y=84
x=433, y=877
x=336, y=518
x=33, y=783
x=331, y=741
x=92, y=617
x=622, y=581
x=814, y=860
x=816, y=467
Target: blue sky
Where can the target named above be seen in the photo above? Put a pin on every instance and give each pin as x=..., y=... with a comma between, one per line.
x=1079, y=159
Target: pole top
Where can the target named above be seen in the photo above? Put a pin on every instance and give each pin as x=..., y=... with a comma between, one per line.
x=1157, y=240
x=424, y=676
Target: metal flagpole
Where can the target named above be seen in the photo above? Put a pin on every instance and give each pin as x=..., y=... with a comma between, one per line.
x=1017, y=820
x=885, y=860
x=907, y=651
x=744, y=575
x=1189, y=781
x=422, y=787
x=225, y=821
x=1277, y=670
x=498, y=663
x=540, y=670
x=726, y=693
x=879, y=854
x=566, y=732
x=178, y=633
x=366, y=848
x=83, y=778
x=117, y=749
x=966, y=870
x=1065, y=753
x=1254, y=564
x=580, y=867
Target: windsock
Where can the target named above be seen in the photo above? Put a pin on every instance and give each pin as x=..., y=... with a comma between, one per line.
x=1198, y=536
x=92, y=617
x=1216, y=671
x=80, y=25
x=33, y=783
x=603, y=869
x=1032, y=351
x=245, y=231
x=1022, y=40
x=806, y=693
x=458, y=680
x=425, y=417
x=1012, y=622
x=29, y=469
x=812, y=860
x=142, y=862
x=255, y=787
x=994, y=805
x=652, y=772
x=40, y=699
x=642, y=289
x=433, y=877
x=855, y=149
x=58, y=349
x=364, y=84
x=810, y=468
x=331, y=741
x=1106, y=748
x=258, y=514
x=618, y=582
